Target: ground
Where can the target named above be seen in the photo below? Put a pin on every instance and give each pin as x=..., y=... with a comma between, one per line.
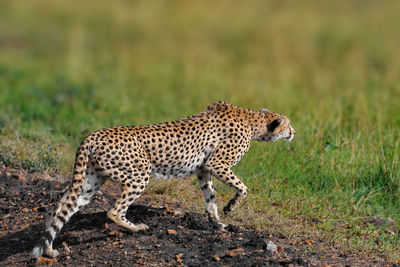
x=177, y=237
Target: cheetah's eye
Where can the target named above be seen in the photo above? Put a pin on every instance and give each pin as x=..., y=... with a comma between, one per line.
x=275, y=123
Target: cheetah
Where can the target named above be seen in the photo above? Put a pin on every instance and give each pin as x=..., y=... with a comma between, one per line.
x=205, y=144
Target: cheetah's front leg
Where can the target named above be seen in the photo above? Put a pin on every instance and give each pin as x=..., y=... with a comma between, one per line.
x=223, y=173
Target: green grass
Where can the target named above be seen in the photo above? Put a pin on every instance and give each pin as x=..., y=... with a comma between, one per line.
x=67, y=69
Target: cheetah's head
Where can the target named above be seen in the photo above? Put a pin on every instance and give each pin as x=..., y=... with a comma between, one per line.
x=278, y=128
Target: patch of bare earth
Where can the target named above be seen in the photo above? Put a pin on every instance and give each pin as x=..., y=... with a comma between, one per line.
x=176, y=237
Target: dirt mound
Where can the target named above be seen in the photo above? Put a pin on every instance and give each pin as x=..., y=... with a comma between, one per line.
x=174, y=238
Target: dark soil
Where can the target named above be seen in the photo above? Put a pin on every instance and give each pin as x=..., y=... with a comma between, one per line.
x=176, y=236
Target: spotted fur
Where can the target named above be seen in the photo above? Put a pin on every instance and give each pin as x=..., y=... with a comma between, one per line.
x=205, y=144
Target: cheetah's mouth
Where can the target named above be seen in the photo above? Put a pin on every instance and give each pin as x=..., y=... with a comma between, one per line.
x=289, y=138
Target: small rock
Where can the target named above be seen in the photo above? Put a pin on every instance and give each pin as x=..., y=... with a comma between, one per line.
x=177, y=212
x=19, y=177
x=234, y=252
x=171, y=232
x=178, y=257
x=309, y=242
x=271, y=247
x=43, y=260
x=25, y=210
x=112, y=233
x=280, y=249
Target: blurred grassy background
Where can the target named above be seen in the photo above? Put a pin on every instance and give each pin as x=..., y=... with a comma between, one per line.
x=68, y=68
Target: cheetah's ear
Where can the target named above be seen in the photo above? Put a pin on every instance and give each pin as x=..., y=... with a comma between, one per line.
x=275, y=123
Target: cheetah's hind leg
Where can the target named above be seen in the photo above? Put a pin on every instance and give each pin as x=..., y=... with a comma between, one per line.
x=68, y=205
x=131, y=190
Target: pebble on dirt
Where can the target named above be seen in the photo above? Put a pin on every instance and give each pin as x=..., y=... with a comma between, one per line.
x=234, y=252
x=171, y=232
x=271, y=247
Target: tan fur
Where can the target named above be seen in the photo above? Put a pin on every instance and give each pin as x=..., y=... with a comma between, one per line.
x=205, y=144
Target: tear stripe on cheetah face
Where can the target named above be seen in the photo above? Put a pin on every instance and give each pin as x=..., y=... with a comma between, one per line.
x=206, y=144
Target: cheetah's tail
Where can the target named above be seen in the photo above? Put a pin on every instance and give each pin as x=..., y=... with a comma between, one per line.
x=67, y=206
